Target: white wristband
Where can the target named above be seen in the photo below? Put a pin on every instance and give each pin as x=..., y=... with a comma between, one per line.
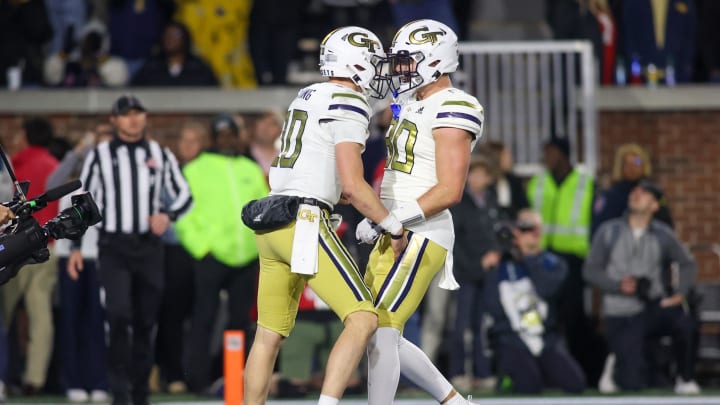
x=409, y=212
x=391, y=224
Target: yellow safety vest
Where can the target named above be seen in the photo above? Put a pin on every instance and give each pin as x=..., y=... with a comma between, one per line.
x=566, y=211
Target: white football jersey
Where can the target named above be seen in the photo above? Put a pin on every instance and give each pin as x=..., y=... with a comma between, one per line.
x=306, y=164
x=410, y=167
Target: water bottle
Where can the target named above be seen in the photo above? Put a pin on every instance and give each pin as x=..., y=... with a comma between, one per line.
x=620, y=74
x=635, y=70
x=652, y=75
x=670, y=72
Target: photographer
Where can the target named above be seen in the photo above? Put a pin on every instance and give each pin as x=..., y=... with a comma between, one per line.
x=626, y=263
x=521, y=295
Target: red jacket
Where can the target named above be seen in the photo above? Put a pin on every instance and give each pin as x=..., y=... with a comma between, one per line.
x=35, y=164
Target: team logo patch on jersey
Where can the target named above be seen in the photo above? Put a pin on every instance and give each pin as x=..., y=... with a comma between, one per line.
x=420, y=36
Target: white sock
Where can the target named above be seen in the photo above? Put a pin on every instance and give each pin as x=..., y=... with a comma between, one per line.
x=417, y=367
x=327, y=400
x=383, y=366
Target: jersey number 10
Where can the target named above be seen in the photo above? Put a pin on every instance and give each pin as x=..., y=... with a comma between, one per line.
x=291, y=138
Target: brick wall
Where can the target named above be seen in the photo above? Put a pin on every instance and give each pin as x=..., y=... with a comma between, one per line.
x=684, y=148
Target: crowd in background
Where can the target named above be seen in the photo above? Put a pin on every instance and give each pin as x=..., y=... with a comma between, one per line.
x=528, y=254
x=92, y=43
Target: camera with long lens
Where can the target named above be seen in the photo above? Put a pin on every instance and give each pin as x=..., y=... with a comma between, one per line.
x=24, y=240
x=505, y=237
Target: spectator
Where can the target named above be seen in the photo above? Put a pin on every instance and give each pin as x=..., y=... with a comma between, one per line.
x=177, y=301
x=661, y=33
x=35, y=283
x=67, y=18
x=175, y=64
x=632, y=165
x=222, y=181
x=273, y=38
x=575, y=19
x=135, y=27
x=130, y=254
x=264, y=148
x=24, y=29
x=626, y=262
x=245, y=138
x=508, y=187
x=476, y=251
x=563, y=196
x=194, y=138
x=708, y=46
x=220, y=33
x=405, y=11
x=521, y=296
x=90, y=65
x=82, y=321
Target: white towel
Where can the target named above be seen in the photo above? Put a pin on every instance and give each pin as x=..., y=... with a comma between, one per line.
x=304, y=258
x=447, y=279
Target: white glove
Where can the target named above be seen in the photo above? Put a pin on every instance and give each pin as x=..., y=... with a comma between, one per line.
x=366, y=232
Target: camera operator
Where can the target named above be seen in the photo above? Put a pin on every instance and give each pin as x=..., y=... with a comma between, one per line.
x=5, y=215
x=35, y=284
x=626, y=263
x=521, y=295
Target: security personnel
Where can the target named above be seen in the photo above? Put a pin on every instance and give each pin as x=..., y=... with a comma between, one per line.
x=563, y=195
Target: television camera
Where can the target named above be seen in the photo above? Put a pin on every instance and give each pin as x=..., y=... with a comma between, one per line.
x=24, y=241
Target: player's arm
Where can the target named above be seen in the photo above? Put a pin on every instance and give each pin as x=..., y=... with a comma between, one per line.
x=354, y=187
x=452, y=157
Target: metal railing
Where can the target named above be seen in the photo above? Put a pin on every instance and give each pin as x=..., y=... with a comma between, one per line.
x=532, y=90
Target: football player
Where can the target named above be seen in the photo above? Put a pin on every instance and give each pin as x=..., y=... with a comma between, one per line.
x=324, y=134
x=429, y=142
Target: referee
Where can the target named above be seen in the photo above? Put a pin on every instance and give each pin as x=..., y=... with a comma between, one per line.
x=129, y=177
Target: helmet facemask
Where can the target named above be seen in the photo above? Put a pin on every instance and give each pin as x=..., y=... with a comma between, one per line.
x=403, y=74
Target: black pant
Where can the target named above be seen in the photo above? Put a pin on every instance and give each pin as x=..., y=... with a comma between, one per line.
x=211, y=277
x=82, y=329
x=583, y=341
x=627, y=339
x=530, y=374
x=176, y=308
x=131, y=272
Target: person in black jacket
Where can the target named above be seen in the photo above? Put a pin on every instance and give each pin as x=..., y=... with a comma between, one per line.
x=476, y=251
x=175, y=64
x=520, y=296
x=24, y=29
x=508, y=186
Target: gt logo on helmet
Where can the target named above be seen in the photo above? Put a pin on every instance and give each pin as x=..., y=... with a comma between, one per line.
x=363, y=41
x=425, y=37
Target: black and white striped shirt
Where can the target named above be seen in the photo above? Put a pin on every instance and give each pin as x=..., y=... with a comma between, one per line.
x=130, y=182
